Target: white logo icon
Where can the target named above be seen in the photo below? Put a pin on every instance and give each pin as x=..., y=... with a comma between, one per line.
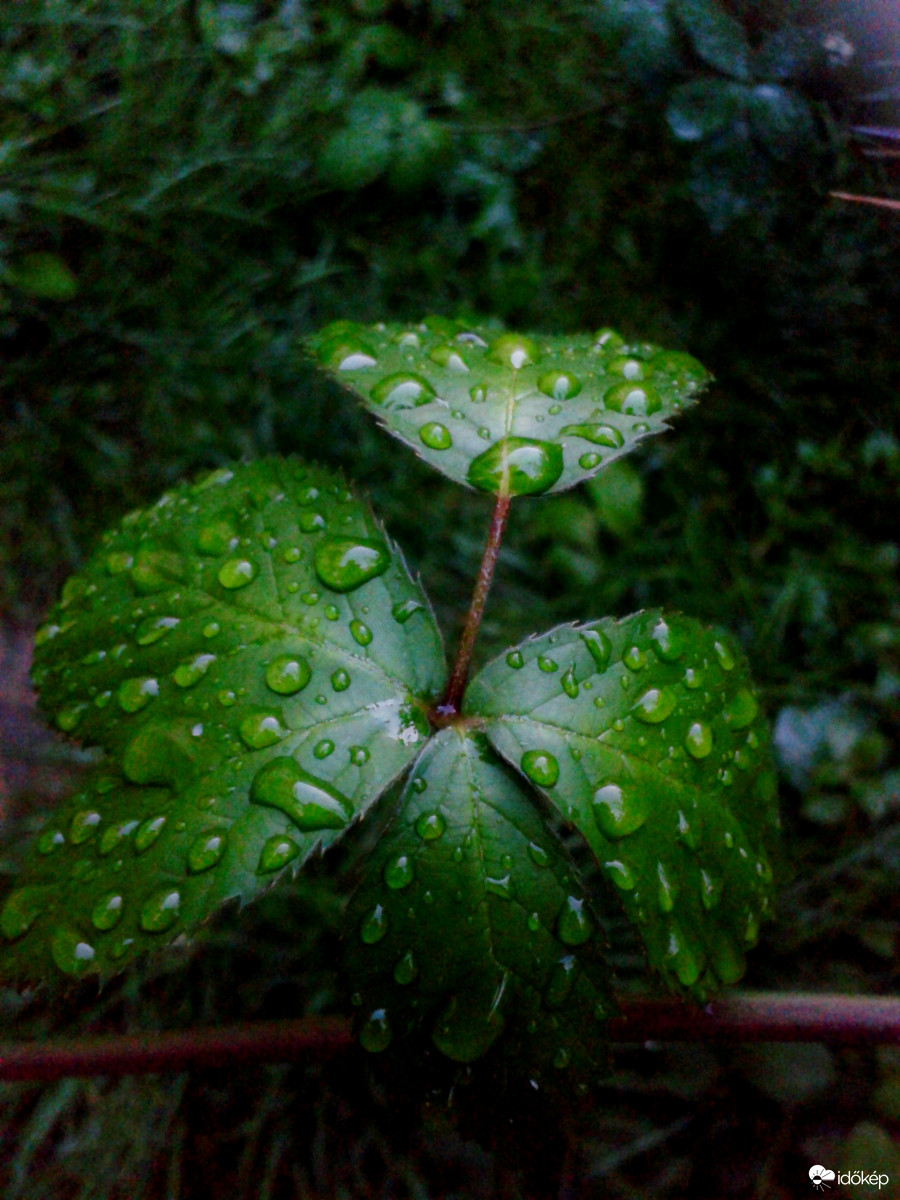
x=818, y=1175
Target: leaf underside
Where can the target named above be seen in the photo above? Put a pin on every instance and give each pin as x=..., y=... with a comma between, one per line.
x=255, y=660
x=508, y=413
x=645, y=734
x=469, y=923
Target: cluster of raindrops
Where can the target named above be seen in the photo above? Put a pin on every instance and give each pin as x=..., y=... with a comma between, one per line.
x=577, y=401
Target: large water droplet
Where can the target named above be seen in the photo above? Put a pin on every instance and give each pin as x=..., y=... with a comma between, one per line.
x=698, y=740
x=559, y=385
x=629, y=368
x=206, y=851
x=620, y=874
x=741, y=710
x=147, y=833
x=399, y=872
x=261, y=729
x=108, y=911
x=310, y=803
x=160, y=753
x=560, y=982
x=538, y=855
x=21, y=909
x=569, y=684
x=83, y=826
x=513, y=350
x=375, y=1033
x=619, y=813
x=71, y=953
x=406, y=969
x=436, y=436
x=635, y=399
x=598, y=645
x=517, y=466
x=323, y=748
x=404, y=609
x=430, y=826
x=276, y=853
x=237, y=573
x=548, y=665
x=499, y=885
x=515, y=660
x=135, y=694
x=344, y=564
x=573, y=925
x=159, y=911
x=345, y=352
x=189, y=672
x=360, y=632
x=154, y=629
x=668, y=641
x=541, y=767
x=340, y=680
x=288, y=674
x=596, y=434
x=447, y=355
x=402, y=390
x=725, y=655
x=654, y=705
x=373, y=926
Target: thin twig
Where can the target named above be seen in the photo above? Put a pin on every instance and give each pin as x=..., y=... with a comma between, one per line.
x=449, y=706
x=877, y=201
x=739, y=1017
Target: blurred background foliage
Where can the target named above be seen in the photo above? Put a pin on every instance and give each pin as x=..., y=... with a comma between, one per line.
x=186, y=189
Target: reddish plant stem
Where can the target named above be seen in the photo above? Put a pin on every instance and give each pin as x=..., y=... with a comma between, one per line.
x=449, y=706
x=740, y=1017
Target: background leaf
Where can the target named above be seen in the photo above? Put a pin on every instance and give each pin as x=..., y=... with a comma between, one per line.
x=645, y=734
x=470, y=920
x=255, y=659
x=717, y=37
x=510, y=412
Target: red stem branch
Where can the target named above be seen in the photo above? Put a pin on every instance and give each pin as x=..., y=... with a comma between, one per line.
x=747, y=1017
x=449, y=706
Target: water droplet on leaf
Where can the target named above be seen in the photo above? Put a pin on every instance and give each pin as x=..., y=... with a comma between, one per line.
x=71, y=953
x=430, y=826
x=597, y=435
x=573, y=925
x=344, y=564
x=401, y=391
x=406, y=969
x=668, y=641
x=310, y=803
x=261, y=729
x=619, y=813
x=135, y=694
x=147, y=833
x=276, y=853
x=375, y=1033
x=21, y=909
x=513, y=350
x=559, y=385
x=360, y=632
x=159, y=911
x=598, y=645
x=399, y=872
x=404, y=609
x=205, y=852
x=698, y=740
x=373, y=926
x=634, y=399
x=540, y=767
x=517, y=466
x=620, y=874
x=237, y=573
x=654, y=705
x=288, y=674
x=108, y=911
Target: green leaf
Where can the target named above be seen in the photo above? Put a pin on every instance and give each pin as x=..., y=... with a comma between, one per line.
x=717, y=37
x=506, y=412
x=255, y=660
x=645, y=733
x=704, y=106
x=44, y=275
x=781, y=120
x=469, y=920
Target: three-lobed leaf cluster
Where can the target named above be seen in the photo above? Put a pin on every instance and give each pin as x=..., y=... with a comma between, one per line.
x=258, y=667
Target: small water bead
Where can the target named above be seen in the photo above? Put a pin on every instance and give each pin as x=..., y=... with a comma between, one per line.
x=608, y=340
x=698, y=740
x=311, y=522
x=50, y=841
x=210, y=630
x=375, y=1033
x=373, y=926
x=599, y=646
x=346, y=353
x=332, y=612
x=618, y=725
x=626, y=367
x=154, y=629
x=69, y=716
x=148, y=832
x=399, y=872
x=668, y=641
x=236, y=573
x=436, y=436
x=136, y=693
x=513, y=350
x=159, y=912
x=547, y=664
x=311, y=803
x=515, y=660
x=688, y=962
x=291, y=554
x=344, y=564
x=725, y=656
x=710, y=890
x=693, y=678
x=560, y=982
x=430, y=826
x=108, y=911
x=620, y=874
x=310, y=598
x=686, y=832
x=559, y=385
x=406, y=969
x=189, y=672
x=288, y=674
x=654, y=706
x=360, y=632
x=216, y=538
x=115, y=834
x=447, y=355
x=597, y=434
x=665, y=895
x=83, y=827
x=93, y=657
x=261, y=729
x=728, y=839
x=227, y=698
x=573, y=925
x=71, y=953
x=21, y=909
x=276, y=853
x=402, y=390
x=102, y=699
x=517, y=466
x=569, y=684
x=206, y=851
x=619, y=813
x=541, y=767
x=118, y=562
x=588, y=461
x=323, y=748
x=741, y=710
x=359, y=755
x=634, y=658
